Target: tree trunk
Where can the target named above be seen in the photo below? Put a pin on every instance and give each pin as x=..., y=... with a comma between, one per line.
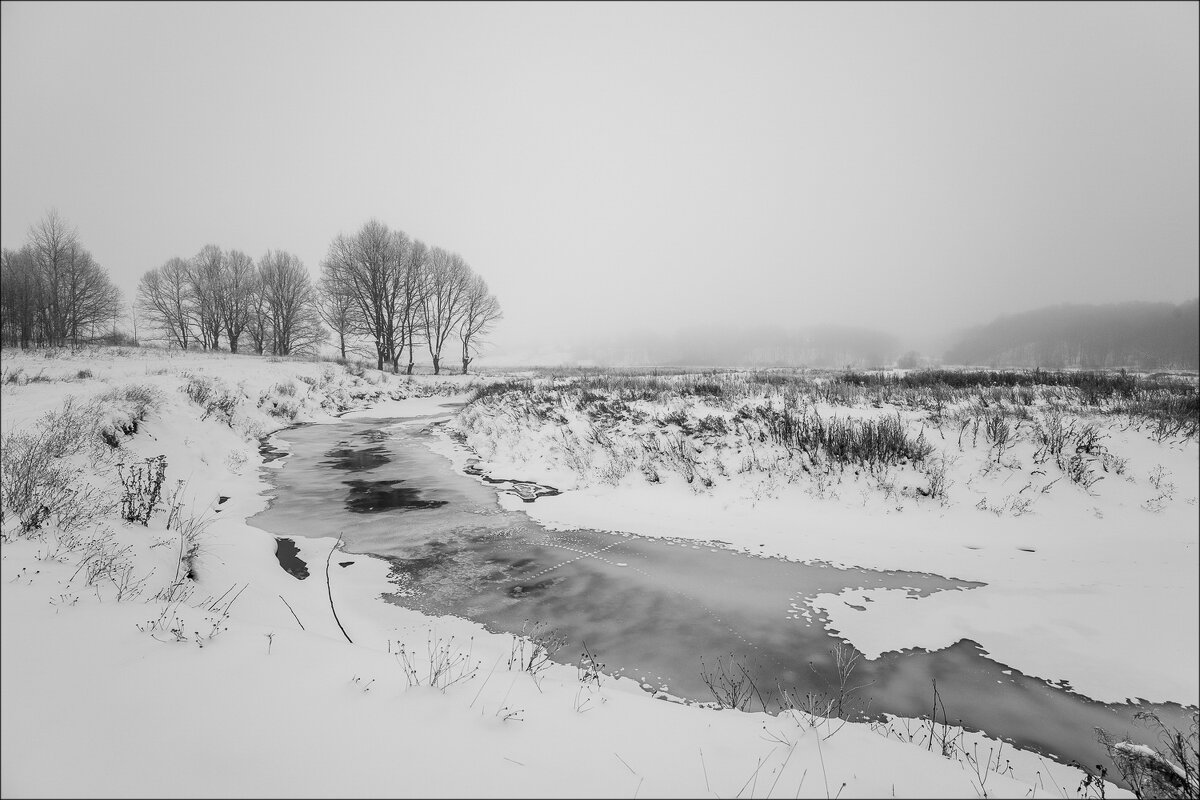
x=342, y=343
x=437, y=368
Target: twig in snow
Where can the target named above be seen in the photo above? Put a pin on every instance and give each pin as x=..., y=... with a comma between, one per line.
x=229, y=605
x=289, y=606
x=823, y=774
x=485, y=682
x=753, y=776
x=329, y=590
x=781, y=769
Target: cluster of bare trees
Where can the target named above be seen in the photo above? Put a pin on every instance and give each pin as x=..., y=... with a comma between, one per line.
x=52, y=291
x=381, y=285
x=379, y=288
x=218, y=293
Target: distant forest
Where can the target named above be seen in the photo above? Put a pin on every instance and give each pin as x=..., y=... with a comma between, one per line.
x=831, y=346
x=1134, y=335
x=1138, y=335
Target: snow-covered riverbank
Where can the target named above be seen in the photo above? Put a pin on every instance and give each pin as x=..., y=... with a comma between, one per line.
x=241, y=682
x=1095, y=586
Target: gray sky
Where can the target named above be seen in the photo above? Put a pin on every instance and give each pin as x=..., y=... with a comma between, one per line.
x=910, y=167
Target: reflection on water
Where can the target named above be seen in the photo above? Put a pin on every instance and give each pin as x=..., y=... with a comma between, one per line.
x=355, y=459
x=371, y=497
x=651, y=608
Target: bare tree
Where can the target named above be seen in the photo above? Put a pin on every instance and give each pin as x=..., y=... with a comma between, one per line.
x=258, y=324
x=206, y=273
x=480, y=311
x=233, y=295
x=413, y=296
x=307, y=332
x=446, y=277
x=364, y=266
x=90, y=300
x=52, y=242
x=335, y=304
x=399, y=299
x=53, y=290
x=290, y=299
x=19, y=296
x=164, y=297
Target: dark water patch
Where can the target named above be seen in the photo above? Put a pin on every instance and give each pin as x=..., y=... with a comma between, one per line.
x=528, y=491
x=526, y=590
x=222, y=499
x=270, y=452
x=344, y=564
x=288, y=555
x=373, y=497
x=355, y=460
x=373, y=435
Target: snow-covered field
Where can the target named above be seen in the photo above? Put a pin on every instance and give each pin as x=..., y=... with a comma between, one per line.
x=176, y=658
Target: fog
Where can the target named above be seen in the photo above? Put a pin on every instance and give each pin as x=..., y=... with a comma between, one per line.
x=618, y=171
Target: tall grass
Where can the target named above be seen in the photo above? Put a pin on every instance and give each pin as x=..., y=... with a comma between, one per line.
x=870, y=443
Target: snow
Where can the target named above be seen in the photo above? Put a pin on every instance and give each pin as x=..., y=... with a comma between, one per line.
x=93, y=702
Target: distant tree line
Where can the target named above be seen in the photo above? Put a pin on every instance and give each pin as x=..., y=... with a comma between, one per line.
x=397, y=293
x=52, y=291
x=378, y=288
x=1134, y=335
x=268, y=307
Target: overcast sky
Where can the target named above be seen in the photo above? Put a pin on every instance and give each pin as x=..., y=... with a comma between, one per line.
x=909, y=167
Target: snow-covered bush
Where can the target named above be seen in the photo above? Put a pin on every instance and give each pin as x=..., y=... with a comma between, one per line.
x=281, y=401
x=214, y=396
x=120, y=411
x=1170, y=772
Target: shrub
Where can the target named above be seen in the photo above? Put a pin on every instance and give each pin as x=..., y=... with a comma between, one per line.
x=212, y=395
x=500, y=388
x=1052, y=436
x=37, y=480
x=142, y=488
x=190, y=527
x=1170, y=771
x=444, y=664
x=870, y=443
x=121, y=411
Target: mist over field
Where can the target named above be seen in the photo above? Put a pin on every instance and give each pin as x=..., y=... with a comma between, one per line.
x=915, y=170
x=1124, y=335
